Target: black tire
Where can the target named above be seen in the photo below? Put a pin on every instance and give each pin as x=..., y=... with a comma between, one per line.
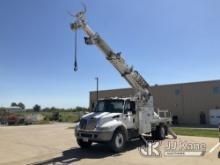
x=154, y=135
x=159, y=133
x=83, y=144
x=118, y=141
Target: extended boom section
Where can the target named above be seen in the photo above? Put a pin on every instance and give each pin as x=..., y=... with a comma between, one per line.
x=132, y=76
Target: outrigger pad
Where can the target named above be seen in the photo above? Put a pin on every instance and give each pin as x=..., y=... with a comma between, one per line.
x=172, y=133
x=145, y=142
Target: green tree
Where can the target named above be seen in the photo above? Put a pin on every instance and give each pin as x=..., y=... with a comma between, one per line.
x=37, y=108
x=21, y=105
x=2, y=110
x=78, y=108
x=46, y=109
x=13, y=104
x=53, y=108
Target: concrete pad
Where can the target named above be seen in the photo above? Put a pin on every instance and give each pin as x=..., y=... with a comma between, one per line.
x=56, y=144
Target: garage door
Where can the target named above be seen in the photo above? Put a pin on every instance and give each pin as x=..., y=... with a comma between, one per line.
x=214, y=116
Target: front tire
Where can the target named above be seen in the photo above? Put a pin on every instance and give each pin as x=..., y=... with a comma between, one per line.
x=83, y=144
x=118, y=141
x=159, y=133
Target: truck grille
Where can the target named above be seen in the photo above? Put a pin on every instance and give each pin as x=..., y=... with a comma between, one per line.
x=82, y=124
x=89, y=124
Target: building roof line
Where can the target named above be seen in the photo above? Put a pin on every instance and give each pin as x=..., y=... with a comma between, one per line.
x=157, y=85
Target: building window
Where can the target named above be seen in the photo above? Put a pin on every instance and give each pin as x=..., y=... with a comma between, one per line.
x=177, y=92
x=216, y=90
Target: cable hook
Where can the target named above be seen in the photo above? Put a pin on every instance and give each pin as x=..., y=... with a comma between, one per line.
x=75, y=53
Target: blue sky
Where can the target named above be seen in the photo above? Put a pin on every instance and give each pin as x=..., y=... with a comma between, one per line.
x=167, y=41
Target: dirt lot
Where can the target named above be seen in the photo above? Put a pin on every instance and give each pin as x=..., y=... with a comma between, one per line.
x=55, y=144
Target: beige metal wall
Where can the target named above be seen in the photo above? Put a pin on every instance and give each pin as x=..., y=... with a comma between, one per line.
x=186, y=100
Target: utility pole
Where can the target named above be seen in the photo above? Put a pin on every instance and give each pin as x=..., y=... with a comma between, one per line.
x=97, y=88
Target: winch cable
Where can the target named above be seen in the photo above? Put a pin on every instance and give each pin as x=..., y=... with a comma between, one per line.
x=75, y=53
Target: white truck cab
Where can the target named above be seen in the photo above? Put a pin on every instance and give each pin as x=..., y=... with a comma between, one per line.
x=116, y=121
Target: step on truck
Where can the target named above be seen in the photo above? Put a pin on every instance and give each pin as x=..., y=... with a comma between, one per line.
x=115, y=121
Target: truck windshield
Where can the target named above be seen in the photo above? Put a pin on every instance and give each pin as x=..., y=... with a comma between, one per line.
x=112, y=106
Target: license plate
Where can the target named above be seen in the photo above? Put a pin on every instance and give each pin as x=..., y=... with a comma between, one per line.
x=85, y=139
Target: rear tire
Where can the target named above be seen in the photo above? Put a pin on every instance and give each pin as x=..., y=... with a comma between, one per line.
x=83, y=144
x=118, y=141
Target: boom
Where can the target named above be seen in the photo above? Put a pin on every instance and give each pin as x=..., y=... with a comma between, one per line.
x=132, y=76
x=145, y=119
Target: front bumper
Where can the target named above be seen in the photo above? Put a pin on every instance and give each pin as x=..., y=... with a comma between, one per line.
x=95, y=136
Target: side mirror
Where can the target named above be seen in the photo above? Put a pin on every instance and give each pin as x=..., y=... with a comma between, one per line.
x=126, y=111
x=129, y=113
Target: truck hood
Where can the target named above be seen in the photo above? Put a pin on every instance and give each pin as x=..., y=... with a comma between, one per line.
x=98, y=119
x=100, y=115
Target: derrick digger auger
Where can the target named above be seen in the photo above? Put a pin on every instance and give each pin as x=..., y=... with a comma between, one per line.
x=137, y=82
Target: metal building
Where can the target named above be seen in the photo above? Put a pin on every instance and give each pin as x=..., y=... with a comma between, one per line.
x=189, y=103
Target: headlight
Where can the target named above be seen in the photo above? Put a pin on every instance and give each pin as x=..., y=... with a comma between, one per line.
x=104, y=128
x=77, y=126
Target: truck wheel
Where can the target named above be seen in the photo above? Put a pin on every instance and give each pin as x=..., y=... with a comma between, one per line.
x=161, y=133
x=154, y=135
x=118, y=141
x=83, y=144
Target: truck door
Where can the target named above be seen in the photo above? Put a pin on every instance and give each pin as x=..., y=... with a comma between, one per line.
x=129, y=114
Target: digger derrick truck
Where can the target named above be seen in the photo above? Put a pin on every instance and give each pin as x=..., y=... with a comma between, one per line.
x=115, y=121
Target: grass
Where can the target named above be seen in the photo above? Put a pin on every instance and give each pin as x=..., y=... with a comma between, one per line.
x=69, y=116
x=196, y=132
x=42, y=122
x=191, y=132
x=64, y=116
